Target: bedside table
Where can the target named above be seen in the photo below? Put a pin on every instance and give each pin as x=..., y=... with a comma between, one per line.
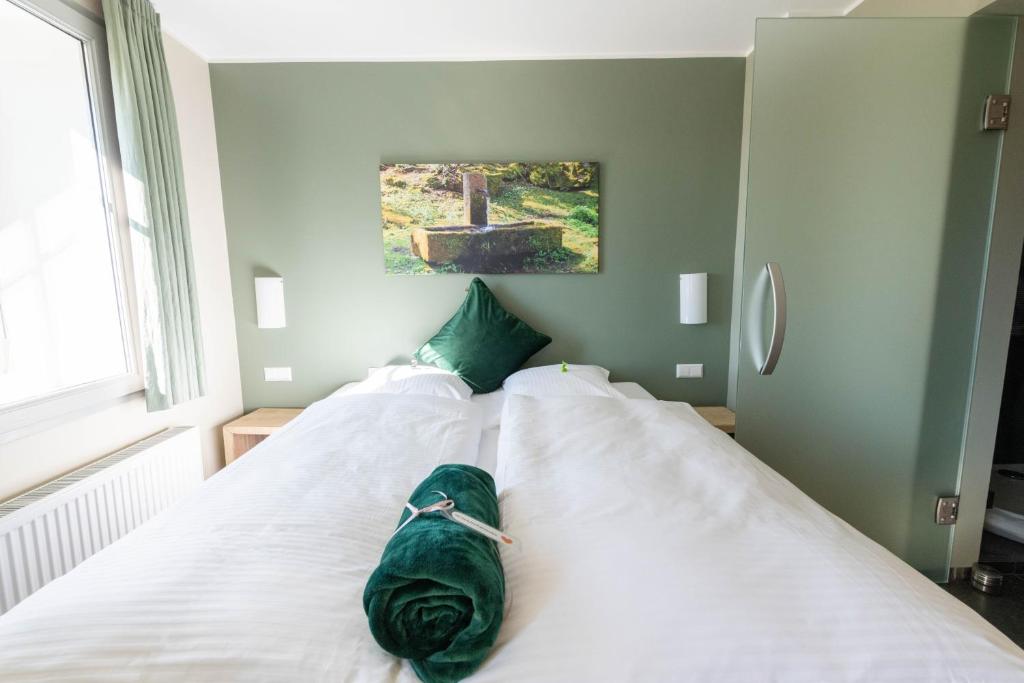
x=719, y=416
x=242, y=434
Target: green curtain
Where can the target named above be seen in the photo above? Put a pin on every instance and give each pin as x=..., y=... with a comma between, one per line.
x=147, y=132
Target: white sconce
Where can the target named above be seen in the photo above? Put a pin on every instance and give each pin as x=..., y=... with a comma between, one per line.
x=270, y=302
x=693, y=298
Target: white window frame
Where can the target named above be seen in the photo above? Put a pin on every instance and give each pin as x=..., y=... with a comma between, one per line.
x=39, y=413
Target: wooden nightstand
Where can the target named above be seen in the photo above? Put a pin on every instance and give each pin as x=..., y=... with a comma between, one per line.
x=719, y=416
x=242, y=434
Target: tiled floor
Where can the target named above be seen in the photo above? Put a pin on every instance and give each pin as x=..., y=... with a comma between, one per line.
x=1005, y=611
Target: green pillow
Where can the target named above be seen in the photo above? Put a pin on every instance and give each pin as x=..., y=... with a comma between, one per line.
x=482, y=343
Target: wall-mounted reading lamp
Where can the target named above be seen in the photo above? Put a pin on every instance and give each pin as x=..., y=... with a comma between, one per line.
x=693, y=298
x=270, y=302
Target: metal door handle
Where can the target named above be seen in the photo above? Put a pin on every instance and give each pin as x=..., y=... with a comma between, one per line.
x=778, y=318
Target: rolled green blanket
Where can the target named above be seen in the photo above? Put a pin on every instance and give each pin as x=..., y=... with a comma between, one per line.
x=438, y=595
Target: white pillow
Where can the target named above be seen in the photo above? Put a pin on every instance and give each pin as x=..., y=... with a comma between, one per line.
x=423, y=380
x=579, y=380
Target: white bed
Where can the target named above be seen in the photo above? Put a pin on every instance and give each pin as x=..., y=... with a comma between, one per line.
x=259, y=575
x=653, y=548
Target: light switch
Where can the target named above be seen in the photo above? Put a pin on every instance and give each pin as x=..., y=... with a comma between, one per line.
x=277, y=374
x=689, y=371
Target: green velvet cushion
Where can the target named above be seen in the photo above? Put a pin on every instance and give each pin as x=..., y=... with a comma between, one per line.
x=482, y=343
x=438, y=596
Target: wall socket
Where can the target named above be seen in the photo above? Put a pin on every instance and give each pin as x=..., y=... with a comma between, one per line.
x=277, y=374
x=689, y=371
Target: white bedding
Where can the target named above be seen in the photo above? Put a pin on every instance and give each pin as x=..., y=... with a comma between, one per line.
x=655, y=548
x=259, y=575
x=492, y=405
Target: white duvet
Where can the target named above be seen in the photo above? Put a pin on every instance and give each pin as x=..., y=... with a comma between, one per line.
x=654, y=548
x=259, y=575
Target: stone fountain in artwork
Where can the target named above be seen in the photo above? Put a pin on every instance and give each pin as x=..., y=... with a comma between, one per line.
x=478, y=244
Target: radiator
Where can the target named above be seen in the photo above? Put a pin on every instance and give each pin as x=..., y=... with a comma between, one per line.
x=49, y=530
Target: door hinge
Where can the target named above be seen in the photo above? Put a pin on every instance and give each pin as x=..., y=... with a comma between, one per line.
x=997, y=113
x=946, y=510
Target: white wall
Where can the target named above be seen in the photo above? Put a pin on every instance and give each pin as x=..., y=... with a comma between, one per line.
x=32, y=460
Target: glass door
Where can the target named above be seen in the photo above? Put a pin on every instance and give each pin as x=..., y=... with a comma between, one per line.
x=870, y=188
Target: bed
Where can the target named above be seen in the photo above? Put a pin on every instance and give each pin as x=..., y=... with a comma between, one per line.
x=652, y=547
x=259, y=575
x=668, y=552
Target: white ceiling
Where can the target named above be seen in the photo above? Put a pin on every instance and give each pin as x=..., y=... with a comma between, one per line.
x=441, y=30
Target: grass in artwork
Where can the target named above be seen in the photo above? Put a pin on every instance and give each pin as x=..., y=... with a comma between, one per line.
x=490, y=218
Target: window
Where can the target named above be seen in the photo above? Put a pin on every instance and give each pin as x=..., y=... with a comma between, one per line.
x=66, y=331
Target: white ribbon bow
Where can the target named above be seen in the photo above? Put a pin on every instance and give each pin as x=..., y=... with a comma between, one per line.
x=446, y=506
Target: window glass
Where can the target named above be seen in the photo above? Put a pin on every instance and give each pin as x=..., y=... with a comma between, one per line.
x=60, y=301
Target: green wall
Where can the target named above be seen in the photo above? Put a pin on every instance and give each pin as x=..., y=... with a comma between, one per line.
x=299, y=147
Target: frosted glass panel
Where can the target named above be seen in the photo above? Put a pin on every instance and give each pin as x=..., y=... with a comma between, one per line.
x=870, y=183
x=58, y=292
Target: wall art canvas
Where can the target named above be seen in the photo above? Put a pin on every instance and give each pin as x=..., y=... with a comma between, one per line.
x=512, y=217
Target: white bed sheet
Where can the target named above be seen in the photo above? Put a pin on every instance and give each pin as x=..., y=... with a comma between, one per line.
x=259, y=575
x=492, y=405
x=655, y=548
